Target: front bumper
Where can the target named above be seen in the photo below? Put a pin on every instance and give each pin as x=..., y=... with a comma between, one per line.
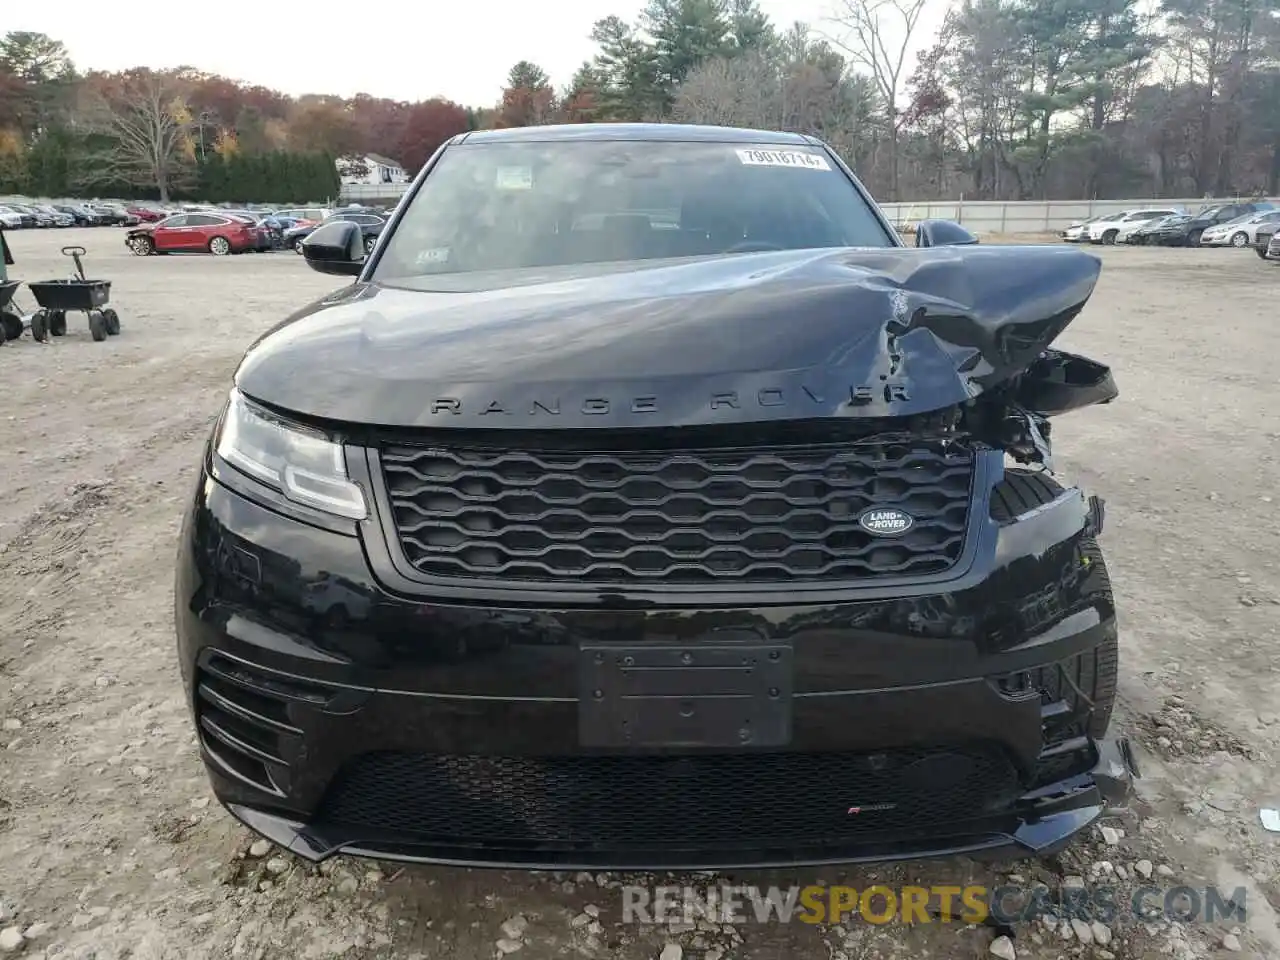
x=337, y=716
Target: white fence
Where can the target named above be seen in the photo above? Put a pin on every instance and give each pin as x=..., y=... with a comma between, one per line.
x=980, y=216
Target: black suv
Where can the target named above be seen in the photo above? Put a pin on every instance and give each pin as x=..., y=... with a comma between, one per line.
x=645, y=503
x=1188, y=233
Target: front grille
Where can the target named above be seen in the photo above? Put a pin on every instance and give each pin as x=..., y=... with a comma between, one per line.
x=747, y=515
x=655, y=802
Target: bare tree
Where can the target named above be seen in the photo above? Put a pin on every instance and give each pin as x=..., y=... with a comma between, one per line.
x=144, y=121
x=876, y=35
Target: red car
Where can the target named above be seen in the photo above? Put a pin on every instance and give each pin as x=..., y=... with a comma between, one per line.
x=145, y=214
x=193, y=233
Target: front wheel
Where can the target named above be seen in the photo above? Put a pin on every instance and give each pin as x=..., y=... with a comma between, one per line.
x=1240, y=240
x=97, y=326
x=39, y=326
x=219, y=246
x=297, y=246
x=142, y=246
x=57, y=323
x=1193, y=238
x=1109, y=238
x=369, y=244
x=113, y=321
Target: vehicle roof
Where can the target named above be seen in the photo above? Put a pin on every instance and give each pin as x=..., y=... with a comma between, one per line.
x=668, y=132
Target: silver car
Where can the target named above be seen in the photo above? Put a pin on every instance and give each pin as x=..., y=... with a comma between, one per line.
x=1240, y=232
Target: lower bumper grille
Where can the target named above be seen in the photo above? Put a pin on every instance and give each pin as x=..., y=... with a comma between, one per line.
x=656, y=802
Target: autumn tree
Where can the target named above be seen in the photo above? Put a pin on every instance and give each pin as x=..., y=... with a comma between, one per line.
x=426, y=126
x=324, y=123
x=37, y=78
x=146, y=125
x=527, y=99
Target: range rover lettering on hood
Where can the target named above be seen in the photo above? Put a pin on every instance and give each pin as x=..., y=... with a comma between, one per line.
x=746, y=338
x=730, y=400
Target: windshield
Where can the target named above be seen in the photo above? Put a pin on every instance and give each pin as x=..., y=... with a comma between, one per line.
x=1243, y=218
x=521, y=206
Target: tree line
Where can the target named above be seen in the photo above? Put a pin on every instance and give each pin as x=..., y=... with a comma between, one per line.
x=1013, y=99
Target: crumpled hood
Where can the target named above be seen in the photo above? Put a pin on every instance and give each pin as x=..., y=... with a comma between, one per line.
x=743, y=338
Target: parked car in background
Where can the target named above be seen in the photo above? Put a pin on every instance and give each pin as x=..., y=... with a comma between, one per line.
x=1140, y=235
x=1117, y=227
x=11, y=219
x=145, y=214
x=1077, y=232
x=27, y=210
x=15, y=218
x=114, y=215
x=1166, y=231
x=309, y=214
x=1265, y=242
x=1214, y=214
x=80, y=215
x=1240, y=232
x=371, y=225
x=60, y=219
x=194, y=233
x=261, y=235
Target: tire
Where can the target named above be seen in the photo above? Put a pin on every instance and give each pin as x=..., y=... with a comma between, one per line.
x=10, y=325
x=1109, y=238
x=113, y=321
x=1261, y=252
x=297, y=245
x=1240, y=240
x=57, y=323
x=369, y=244
x=142, y=246
x=97, y=325
x=40, y=326
x=1096, y=670
x=220, y=246
x=1193, y=238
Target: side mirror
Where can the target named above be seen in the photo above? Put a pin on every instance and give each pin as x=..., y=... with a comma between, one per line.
x=336, y=248
x=942, y=233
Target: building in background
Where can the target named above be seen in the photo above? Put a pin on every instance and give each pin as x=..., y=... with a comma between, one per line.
x=370, y=168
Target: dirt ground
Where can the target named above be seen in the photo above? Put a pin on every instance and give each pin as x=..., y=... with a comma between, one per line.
x=110, y=843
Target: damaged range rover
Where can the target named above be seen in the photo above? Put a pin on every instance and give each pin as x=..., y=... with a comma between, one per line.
x=645, y=502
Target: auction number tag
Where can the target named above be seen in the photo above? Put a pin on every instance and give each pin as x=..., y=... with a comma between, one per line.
x=783, y=158
x=514, y=178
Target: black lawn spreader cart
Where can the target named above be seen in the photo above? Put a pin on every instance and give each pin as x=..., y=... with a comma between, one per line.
x=59, y=297
x=10, y=322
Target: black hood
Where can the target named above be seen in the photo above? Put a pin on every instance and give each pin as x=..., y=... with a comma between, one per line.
x=750, y=337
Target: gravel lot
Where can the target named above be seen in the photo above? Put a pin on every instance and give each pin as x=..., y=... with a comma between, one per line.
x=110, y=844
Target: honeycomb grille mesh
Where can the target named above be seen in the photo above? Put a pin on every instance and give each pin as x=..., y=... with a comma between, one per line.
x=746, y=515
x=652, y=802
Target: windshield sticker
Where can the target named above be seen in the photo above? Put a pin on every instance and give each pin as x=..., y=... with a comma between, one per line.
x=514, y=178
x=783, y=158
x=433, y=255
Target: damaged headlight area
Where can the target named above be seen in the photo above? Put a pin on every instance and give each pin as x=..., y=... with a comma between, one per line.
x=302, y=463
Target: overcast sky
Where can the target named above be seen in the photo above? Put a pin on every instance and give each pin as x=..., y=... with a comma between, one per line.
x=398, y=49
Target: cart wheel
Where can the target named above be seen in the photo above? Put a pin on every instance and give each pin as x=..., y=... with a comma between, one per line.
x=113, y=321
x=11, y=324
x=97, y=325
x=57, y=323
x=39, y=326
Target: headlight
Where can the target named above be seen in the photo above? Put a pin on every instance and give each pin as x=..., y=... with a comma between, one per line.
x=303, y=464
